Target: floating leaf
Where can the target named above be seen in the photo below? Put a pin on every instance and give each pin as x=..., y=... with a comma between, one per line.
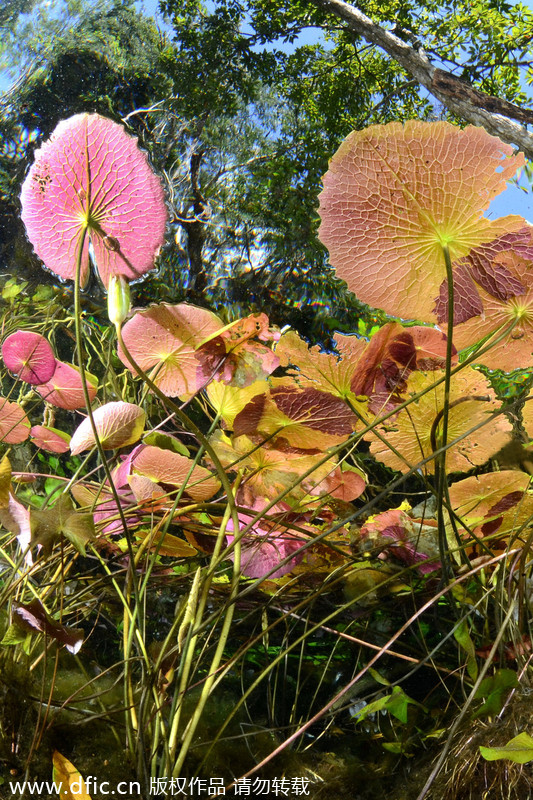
x=33, y=617
x=14, y=424
x=117, y=424
x=50, y=439
x=496, y=502
x=67, y=776
x=486, y=266
x=321, y=370
x=65, y=389
x=391, y=355
x=269, y=470
x=164, y=342
x=395, y=194
x=91, y=175
x=306, y=418
x=409, y=432
x=228, y=401
x=29, y=356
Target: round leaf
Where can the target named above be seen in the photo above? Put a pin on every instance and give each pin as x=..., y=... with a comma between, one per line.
x=29, y=356
x=395, y=194
x=90, y=175
x=117, y=424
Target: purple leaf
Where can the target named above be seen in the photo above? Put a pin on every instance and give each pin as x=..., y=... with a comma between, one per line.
x=29, y=356
x=91, y=175
x=33, y=618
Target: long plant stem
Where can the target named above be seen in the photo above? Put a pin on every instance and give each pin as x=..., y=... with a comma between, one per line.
x=440, y=460
x=131, y=583
x=234, y=587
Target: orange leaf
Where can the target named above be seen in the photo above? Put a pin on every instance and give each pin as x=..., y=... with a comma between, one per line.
x=395, y=194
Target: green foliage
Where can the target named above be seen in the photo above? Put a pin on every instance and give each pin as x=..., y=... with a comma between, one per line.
x=519, y=750
x=494, y=692
x=396, y=704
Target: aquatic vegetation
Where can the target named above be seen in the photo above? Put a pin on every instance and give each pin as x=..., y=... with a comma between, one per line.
x=90, y=177
x=250, y=482
x=29, y=356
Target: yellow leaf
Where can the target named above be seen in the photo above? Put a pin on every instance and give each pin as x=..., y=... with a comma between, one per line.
x=5, y=482
x=72, y=784
x=170, y=545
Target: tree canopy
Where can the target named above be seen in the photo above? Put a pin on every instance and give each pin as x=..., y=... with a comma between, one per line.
x=241, y=111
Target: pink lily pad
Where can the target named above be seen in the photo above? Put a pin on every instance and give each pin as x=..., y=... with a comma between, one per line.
x=14, y=424
x=262, y=550
x=165, y=341
x=117, y=424
x=64, y=389
x=394, y=193
x=29, y=356
x=90, y=175
x=50, y=439
x=172, y=469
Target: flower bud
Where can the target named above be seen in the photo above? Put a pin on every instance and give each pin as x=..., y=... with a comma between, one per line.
x=118, y=299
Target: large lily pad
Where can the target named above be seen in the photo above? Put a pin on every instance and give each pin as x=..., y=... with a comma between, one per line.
x=90, y=175
x=409, y=433
x=395, y=194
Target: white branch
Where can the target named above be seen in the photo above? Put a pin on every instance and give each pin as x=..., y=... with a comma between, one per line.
x=497, y=116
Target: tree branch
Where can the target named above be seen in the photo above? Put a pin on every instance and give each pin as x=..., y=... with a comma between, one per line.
x=497, y=116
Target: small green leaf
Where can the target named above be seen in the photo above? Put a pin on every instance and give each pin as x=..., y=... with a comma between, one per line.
x=12, y=289
x=518, y=750
x=462, y=636
x=166, y=442
x=395, y=703
x=495, y=690
x=14, y=635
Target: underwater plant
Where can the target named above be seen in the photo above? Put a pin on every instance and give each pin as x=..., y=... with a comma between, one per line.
x=91, y=194
x=251, y=482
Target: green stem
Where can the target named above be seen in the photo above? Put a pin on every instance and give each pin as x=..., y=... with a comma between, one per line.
x=131, y=582
x=440, y=460
x=232, y=513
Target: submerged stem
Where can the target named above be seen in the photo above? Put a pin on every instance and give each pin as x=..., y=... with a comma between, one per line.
x=440, y=460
